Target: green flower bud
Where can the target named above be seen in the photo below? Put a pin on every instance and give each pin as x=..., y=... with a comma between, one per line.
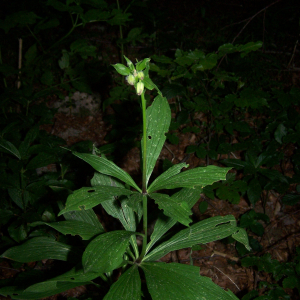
x=140, y=75
x=139, y=88
x=130, y=79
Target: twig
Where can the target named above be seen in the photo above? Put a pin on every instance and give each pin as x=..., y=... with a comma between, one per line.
x=293, y=54
x=227, y=277
x=225, y=255
x=249, y=20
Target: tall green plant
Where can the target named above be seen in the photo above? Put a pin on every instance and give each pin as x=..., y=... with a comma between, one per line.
x=123, y=199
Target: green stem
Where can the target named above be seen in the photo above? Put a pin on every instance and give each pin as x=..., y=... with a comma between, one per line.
x=145, y=226
x=144, y=188
x=71, y=30
x=144, y=143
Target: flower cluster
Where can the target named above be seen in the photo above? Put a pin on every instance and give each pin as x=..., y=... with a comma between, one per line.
x=135, y=79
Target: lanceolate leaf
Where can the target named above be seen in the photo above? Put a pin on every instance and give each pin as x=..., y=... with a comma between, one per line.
x=164, y=177
x=119, y=208
x=107, y=167
x=128, y=286
x=201, y=177
x=203, y=232
x=89, y=197
x=40, y=290
x=41, y=248
x=164, y=223
x=85, y=230
x=181, y=282
x=87, y=216
x=178, y=211
x=9, y=147
x=105, y=252
x=158, y=122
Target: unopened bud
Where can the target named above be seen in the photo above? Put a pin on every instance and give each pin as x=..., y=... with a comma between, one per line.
x=130, y=79
x=140, y=75
x=139, y=88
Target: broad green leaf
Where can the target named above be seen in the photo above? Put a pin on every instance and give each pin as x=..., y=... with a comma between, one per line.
x=86, y=216
x=127, y=287
x=85, y=230
x=201, y=176
x=41, y=160
x=164, y=177
x=121, y=69
x=39, y=290
x=9, y=147
x=203, y=232
x=105, y=252
x=107, y=167
x=121, y=212
x=251, y=46
x=181, y=282
x=88, y=197
x=39, y=248
x=112, y=206
x=129, y=64
x=178, y=211
x=164, y=223
x=157, y=127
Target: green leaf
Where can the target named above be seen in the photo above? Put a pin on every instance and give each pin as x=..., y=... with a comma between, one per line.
x=40, y=248
x=289, y=199
x=203, y=232
x=141, y=65
x=9, y=147
x=105, y=252
x=85, y=230
x=181, y=282
x=178, y=211
x=87, y=216
x=121, y=69
x=242, y=237
x=41, y=160
x=47, y=78
x=251, y=46
x=254, y=191
x=200, y=176
x=40, y=290
x=149, y=84
x=128, y=286
x=89, y=197
x=235, y=163
x=164, y=223
x=107, y=167
x=160, y=180
x=156, y=129
x=280, y=132
x=203, y=206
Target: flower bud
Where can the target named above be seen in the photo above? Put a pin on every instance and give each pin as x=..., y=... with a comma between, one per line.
x=140, y=75
x=139, y=88
x=130, y=79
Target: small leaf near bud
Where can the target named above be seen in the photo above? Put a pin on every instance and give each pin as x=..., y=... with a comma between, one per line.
x=139, y=88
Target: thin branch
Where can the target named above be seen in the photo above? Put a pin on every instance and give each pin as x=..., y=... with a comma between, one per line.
x=249, y=20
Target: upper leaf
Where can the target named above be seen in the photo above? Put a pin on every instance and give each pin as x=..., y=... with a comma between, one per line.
x=105, y=252
x=105, y=166
x=178, y=211
x=203, y=232
x=164, y=223
x=87, y=197
x=158, y=122
x=121, y=69
x=181, y=282
x=201, y=176
x=85, y=230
